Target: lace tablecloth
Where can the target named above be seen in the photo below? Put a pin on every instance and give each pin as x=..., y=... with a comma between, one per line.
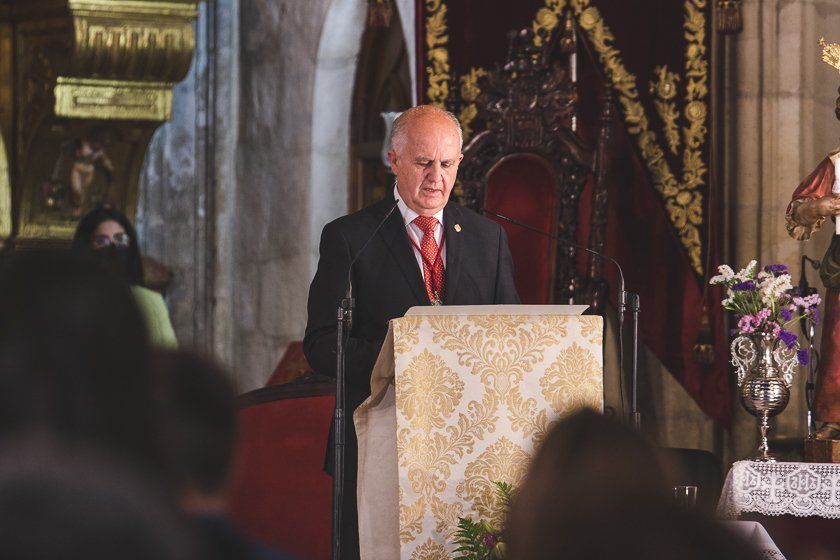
x=799, y=489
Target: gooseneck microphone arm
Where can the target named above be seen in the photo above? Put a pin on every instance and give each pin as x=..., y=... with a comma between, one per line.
x=626, y=301
x=344, y=324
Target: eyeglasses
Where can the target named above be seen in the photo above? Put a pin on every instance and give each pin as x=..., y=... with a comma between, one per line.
x=118, y=240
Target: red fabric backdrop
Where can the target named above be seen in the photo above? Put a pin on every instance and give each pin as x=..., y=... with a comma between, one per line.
x=640, y=234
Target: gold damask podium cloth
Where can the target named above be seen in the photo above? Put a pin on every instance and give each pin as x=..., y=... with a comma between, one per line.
x=460, y=398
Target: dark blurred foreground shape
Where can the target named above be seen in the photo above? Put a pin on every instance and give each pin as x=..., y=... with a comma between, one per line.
x=74, y=357
x=597, y=489
x=198, y=408
x=74, y=503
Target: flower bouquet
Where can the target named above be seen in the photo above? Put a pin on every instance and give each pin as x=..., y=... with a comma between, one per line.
x=765, y=302
x=766, y=352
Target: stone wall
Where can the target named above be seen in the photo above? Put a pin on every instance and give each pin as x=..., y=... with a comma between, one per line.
x=236, y=187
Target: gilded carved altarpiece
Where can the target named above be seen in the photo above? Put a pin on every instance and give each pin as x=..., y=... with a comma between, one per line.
x=85, y=83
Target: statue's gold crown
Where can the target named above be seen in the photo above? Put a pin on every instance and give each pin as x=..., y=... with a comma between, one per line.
x=830, y=53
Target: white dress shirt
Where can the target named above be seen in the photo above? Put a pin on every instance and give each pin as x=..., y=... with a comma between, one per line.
x=416, y=234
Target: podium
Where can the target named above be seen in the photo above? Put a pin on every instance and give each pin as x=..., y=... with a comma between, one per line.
x=460, y=398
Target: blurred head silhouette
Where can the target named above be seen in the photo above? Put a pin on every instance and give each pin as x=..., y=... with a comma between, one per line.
x=597, y=489
x=74, y=356
x=199, y=411
x=75, y=504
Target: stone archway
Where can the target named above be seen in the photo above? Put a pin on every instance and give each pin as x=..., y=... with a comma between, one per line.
x=341, y=37
x=332, y=105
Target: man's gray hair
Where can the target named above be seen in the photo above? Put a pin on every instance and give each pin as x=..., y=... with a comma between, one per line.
x=399, y=129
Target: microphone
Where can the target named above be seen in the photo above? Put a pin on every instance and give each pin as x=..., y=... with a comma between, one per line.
x=570, y=244
x=625, y=300
x=348, y=294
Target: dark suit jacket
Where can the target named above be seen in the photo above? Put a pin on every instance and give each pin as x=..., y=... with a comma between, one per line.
x=387, y=281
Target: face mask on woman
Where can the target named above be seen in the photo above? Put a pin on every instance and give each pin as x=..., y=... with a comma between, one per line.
x=115, y=258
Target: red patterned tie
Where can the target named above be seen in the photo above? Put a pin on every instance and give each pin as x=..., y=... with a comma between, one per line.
x=433, y=272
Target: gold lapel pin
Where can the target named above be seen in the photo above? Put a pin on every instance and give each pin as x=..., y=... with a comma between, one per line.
x=458, y=228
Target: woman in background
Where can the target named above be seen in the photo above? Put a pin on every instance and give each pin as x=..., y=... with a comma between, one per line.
x=106, y=233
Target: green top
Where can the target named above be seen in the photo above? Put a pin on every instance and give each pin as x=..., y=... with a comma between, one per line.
x=156, y=315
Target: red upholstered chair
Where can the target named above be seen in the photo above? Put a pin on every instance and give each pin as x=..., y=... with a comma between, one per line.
x=530, y=165
x=280, y=494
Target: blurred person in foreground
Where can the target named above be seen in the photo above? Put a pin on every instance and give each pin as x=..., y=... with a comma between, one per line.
x=77, y=504
x=74, y=358
x=598, y=490
x=199, y=411
x=107, y=234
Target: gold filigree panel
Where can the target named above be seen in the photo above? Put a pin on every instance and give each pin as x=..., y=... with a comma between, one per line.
x=474, y=396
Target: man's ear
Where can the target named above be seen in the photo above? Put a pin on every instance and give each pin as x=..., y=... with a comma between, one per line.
x=392, y=159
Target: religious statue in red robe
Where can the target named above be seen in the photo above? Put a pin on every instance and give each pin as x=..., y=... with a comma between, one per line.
x=811, y=204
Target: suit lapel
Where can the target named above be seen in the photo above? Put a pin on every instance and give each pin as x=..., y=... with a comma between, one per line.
x=454, y=244
x=396, y=239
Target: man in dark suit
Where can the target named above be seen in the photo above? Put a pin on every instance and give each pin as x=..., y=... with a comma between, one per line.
x=428, y=251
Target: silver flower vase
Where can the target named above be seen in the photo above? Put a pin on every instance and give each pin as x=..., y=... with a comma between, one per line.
x=765, y=368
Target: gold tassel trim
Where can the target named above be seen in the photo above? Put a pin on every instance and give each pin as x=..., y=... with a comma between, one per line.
x=729, y=18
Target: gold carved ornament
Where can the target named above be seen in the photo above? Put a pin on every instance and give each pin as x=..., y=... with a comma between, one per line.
x=830, y=53
x=683, y=198
x=127, y=57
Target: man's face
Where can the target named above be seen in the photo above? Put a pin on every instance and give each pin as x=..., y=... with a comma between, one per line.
x=426, y=163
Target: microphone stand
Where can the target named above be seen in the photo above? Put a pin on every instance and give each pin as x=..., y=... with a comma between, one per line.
x=626, y=301
x=808, y=330
x=344, y=325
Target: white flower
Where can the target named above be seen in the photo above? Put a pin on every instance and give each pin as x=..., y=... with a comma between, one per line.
x=747, y=273
x=772, y=288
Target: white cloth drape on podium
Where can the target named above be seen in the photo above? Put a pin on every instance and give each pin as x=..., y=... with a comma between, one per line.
x=459, y=400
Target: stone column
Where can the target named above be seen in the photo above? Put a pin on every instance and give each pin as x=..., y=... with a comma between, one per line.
x=186, y=203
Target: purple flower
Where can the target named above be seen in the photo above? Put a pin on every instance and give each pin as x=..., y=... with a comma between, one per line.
x=745, y=324
x=815, y=316
x=776, y=269
x=748, y=286
x=788, y=338
x=489, y=541
x=804, y=356
x=786, y=314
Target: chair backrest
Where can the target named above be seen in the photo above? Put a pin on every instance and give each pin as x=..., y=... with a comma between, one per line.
x=280, y=494
x=530, y=165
